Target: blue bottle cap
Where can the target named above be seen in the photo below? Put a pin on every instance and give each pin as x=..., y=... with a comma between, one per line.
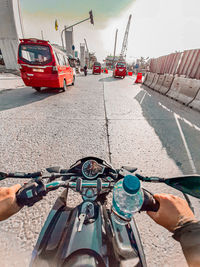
x=131, y=184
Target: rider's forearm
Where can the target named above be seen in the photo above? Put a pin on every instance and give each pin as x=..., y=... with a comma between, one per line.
x=189, y=237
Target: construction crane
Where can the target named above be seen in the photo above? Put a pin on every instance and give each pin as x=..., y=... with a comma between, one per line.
x=125, y=41
x=86, y=45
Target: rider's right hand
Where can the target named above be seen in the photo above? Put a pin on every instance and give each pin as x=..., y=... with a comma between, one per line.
x=173, y=212
x=8, y=203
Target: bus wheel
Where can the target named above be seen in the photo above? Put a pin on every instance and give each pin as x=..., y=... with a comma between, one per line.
x=64, y=86
x=38, y=89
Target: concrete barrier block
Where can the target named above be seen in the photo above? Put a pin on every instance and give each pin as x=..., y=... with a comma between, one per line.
x=196, y=102
x=184, y=89
x=155, y=80
x=166, y=84
x=150, y=79
x=145, y=77
x=159, y=82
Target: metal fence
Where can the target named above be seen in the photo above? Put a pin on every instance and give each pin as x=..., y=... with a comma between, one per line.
x=185, y=63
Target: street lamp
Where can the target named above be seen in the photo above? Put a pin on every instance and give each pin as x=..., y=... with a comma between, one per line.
x=91, y=21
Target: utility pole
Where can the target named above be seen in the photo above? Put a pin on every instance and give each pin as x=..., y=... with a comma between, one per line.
x=115, y=48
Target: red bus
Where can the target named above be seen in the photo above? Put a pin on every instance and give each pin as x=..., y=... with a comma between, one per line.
x=120, y=70
x=43, y=65
x=96, y=68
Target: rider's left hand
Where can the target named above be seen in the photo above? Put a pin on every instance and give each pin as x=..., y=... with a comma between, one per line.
x=8, y=204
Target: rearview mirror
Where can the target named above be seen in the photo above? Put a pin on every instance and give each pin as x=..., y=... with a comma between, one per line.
x=189, y=184
x=54, y=169
x=3, y=175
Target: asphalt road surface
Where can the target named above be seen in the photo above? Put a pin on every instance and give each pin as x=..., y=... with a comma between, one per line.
x=101, y=116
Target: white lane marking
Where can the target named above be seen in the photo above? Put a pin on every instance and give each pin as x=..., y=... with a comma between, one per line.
x=185, y=144
x=9, y=78
x=143, y=98
x=181, y=118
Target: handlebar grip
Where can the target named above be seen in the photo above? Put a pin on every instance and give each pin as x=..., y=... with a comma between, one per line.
x=150, y=203
x=30, y=193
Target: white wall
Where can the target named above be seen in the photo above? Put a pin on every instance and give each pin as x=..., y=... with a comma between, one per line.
x=82, y=55
x=11, y=30
x=69, y=41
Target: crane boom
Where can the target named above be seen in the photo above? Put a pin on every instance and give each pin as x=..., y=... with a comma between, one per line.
x=125, y=40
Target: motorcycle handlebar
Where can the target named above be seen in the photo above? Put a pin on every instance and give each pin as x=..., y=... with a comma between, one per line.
x=150, y=203
x=24, y=175
x=33, y=192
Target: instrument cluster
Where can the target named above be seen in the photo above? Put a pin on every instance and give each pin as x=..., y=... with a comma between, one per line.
x=91, y=169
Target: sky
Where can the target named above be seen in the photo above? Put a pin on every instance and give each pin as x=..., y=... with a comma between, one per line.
x=158, y=27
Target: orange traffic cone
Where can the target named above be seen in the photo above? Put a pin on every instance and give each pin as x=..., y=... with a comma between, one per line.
x=139, y=78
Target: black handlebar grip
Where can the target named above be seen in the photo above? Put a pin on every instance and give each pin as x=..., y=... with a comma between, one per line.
x=150, y=203
x=30, y=193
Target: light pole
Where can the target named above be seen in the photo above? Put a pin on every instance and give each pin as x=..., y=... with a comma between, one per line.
x=65, y=28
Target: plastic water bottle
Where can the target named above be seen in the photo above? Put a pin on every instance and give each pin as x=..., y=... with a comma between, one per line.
x=127, y=198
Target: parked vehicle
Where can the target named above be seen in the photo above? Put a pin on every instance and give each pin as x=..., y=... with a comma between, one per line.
x=96, y=68
x=120, y=70
x=43, y=65
x=89, y=234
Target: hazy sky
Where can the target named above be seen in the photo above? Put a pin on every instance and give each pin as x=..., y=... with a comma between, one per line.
x=158, y=27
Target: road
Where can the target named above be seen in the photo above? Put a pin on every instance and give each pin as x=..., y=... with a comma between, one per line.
x=110, y=118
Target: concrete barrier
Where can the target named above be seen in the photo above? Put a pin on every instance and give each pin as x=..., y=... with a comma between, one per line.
x=159, y=82
x=149, y=79
x=166, y=84
x=184, y=89
x=155, y=80
x=145, y=77
x=196, y=102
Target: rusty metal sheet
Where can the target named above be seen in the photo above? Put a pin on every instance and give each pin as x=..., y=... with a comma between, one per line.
x=177, y=62
x=193, y=60
x=172, y=63
x=196, y=65
x=183, y=62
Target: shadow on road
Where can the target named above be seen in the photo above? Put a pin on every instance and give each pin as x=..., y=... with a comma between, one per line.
x=179, y=132
x=13, y=98
x=109, y=79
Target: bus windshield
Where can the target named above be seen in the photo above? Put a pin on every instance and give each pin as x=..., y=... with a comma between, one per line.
x=35, y=54
x=121, y=64
x=97, y=64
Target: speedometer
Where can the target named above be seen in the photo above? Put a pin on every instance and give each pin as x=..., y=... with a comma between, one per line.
x=91, y=169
